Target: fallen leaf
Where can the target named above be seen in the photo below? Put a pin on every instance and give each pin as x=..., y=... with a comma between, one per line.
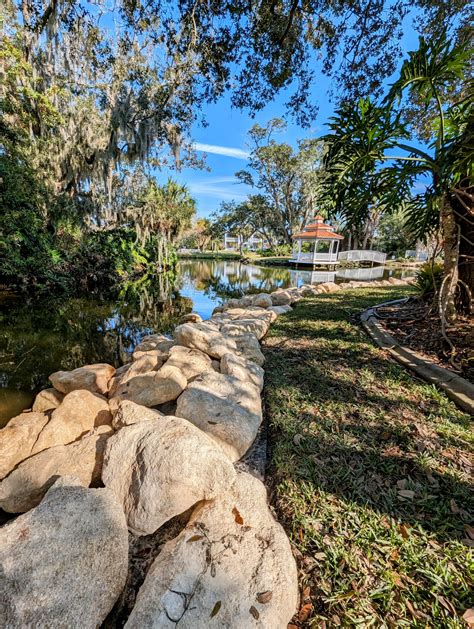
x=305, y=611
x=411, y=609
x=409, y=494
x=297, y=439
x=306, y=592
x=402, y=529
x=195, y=538
x=320, y=556
x=238, y=518
x=394, y=555
x=264, y=597
x=454, y=506
x=447, y=605
x=254, y=612
x=216, y=608
x=468, y=616
x=401, y=484
x=469, y=531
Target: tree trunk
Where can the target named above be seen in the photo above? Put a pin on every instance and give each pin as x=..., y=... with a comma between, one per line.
x=450, y=230
x=463, y=206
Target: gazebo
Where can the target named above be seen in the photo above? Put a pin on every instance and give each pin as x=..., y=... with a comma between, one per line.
x=318, y=243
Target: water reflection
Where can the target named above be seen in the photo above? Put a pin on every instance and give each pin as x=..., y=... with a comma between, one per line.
x=39, y=337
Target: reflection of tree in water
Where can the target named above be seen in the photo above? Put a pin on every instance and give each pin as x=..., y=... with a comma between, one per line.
x=39, y=337
x=230, y=279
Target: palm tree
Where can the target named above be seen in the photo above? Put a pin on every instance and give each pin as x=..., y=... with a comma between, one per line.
x=364, y=170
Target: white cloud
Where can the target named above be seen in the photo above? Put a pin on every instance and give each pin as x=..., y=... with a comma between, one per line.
x=228, y=151
x=213, y=189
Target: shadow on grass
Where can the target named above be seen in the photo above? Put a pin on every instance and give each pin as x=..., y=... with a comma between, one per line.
x=348, y=421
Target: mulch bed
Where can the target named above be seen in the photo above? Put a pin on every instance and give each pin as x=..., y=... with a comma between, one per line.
x=416, y=324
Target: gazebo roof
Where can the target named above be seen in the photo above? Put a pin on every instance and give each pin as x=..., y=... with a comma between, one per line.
x=318, y=230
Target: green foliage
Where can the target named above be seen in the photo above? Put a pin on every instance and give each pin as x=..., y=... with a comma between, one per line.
x=276, y=250
x=429, y=278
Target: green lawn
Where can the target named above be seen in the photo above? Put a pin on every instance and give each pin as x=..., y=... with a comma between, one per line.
x=369, y=472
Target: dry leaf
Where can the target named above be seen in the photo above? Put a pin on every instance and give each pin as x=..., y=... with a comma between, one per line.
x=238, y=518
x=305, y=611
x=468, y=616
x=320, y=556
x=469, y=531
x=447, y=605
x=411, y=609
x=409, y=494
x=297, y=439
x=454, y=506
x=306, y=592
x=195, y=538
x=264, y=597
x=402, y=529
x=254, y=611
x=216, y=608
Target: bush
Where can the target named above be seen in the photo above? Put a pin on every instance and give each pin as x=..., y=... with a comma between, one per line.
x=277, y=250
x=429, y=278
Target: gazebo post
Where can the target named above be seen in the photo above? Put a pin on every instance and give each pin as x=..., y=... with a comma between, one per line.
x=315, y=248
x=299, y=249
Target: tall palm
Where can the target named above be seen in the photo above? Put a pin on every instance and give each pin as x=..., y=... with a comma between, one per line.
x=364, y=169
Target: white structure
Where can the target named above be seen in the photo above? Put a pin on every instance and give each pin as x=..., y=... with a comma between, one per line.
x=236, y=243
x=363, y=255
x=318, y=243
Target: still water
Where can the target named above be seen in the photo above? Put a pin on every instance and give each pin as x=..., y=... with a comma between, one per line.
x=39, y=337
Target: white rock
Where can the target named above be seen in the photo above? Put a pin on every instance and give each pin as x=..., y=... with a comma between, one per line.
x=159, y=469
x=78, y=413
x=191, y=362
x=243, y=369
x=263, y=300
x=205, y=337
x=47, y=400
x=18, y=438
x=241, y=326
x=226, y=408
x=93, y=378
x=63, y=564
x=129, y=413
x=232, y=566
x=281, y=309
x=249, y=347
x=280, y=298
x=24, y=488
x=151, y=389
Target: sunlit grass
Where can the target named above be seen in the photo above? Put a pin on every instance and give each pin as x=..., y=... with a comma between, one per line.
x=369, y=471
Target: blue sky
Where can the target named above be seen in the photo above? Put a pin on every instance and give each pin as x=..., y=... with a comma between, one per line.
x=224, y=140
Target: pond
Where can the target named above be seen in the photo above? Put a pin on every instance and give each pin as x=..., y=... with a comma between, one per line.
x=38, y=337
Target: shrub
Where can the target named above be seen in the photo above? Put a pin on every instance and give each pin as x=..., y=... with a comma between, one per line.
x=429, y=278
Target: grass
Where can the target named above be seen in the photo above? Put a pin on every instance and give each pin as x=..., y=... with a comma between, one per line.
x=369, y=472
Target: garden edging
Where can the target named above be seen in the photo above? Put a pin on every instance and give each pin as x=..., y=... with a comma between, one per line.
x=458, y=389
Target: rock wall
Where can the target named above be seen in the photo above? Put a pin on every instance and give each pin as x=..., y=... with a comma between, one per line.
x=164, y=436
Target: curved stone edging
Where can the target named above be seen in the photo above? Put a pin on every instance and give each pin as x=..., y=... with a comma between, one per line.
x=458, y=389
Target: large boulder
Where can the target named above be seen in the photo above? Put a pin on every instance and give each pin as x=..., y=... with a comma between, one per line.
x=239, y=367
x=129, y=413
x=93, y=378
x=263, y=300
x=47, y=400
x=191, y=362
x=78, y=413
x=205, y=337
x=158, y=344
x=26, y=485
x=226, y=408
x=158, y=469
x=18, y=438
x=242, y=326
x=249, y=348
x=191, y=317
x=278, y=310
x=280, y=298
x=63, y=564
x=151, y=389
x=232, y=566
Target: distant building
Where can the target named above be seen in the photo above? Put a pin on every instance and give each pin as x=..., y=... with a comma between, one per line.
x=236, y=242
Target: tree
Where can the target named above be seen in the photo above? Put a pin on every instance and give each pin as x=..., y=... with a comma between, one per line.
x=361, y=144
x=288, y=180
